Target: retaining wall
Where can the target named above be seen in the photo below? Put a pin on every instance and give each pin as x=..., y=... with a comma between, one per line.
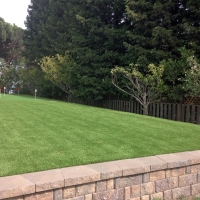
x=167, y=176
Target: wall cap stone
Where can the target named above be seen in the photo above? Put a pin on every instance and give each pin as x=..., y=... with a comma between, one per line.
x=19, y=185
x=46, y=180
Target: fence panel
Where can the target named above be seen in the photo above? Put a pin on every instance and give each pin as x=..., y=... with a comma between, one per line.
x=178, y=112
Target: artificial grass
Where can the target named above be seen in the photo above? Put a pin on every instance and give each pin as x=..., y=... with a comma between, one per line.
x=45, y=134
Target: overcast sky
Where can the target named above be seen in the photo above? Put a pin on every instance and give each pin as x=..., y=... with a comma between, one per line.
x=14, y=11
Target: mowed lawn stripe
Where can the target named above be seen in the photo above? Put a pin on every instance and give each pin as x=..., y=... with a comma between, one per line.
x=45, y=134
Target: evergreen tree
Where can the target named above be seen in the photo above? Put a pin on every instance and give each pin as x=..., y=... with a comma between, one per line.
x=97, y=46
x=160, y=31
x=93, y=31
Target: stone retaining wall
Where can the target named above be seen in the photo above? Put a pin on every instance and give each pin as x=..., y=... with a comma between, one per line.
x=167, y=176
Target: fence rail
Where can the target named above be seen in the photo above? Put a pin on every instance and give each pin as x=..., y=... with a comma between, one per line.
x=178, y=112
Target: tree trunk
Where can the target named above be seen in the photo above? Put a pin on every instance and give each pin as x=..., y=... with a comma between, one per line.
x=145, y=105
x=145, y=109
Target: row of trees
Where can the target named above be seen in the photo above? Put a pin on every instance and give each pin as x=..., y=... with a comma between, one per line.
x=75, y=45
x=14, y=71
x=11, y=47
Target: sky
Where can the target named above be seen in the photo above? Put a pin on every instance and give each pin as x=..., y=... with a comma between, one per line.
x=14, y=11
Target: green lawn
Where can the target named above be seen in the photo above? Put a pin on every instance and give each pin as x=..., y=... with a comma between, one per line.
x=46, y=134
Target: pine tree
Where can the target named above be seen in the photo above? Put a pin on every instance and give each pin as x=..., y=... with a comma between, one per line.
x=92, y=31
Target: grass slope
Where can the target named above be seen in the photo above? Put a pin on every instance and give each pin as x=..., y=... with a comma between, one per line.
x=45, y=134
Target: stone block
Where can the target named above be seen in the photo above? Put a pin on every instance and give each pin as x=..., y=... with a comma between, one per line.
x=110, y=184
x=195, y=189
x=154, y=162
x=85, y=189
x=157, y=175
x=57, y=194
x=145, y=178
x=167, y=195
x=147, y=188
x=46, y=180
x=131, y=167
x=194, y=156
x=198, y=177
x=107, y=170
x=69, y=192
x=117, y=194
x=128, y=181
x=173, y=182
x=77, y=198
x=195, y=169
x=181, y=192
x=145, y=197
x=166, y=184
x=187, y=180
x=188, y=170
x=88, y=197
x=175, y=172
x=127, y=193
x=16, y=198
x=46, y=195
x=161, y=185
x=174, y=161
x=135, y=191
x=79, y=175
x=100, y=186
x=12, y=186
x=136, y=198
x=156, y=196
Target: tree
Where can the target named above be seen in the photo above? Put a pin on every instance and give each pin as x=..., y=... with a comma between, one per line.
x=192, y=78
x=160, y=29
x=157, y=30
x=11, y=42
x=146, y=89
x=57, y=69
x=10, y=77
x=93, y=32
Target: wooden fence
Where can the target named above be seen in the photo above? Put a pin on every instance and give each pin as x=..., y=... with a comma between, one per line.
x=178, y=112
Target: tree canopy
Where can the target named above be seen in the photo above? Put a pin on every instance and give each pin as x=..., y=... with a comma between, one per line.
x=100, y=34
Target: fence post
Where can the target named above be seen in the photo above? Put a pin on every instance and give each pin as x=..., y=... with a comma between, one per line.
x=188, y=113
x=165, y=110
x=174, y=112
x=183, y=112
x=193, y=114
x=169, y=111
x=154, y=109
x=178, y=116
x=198, y=115
x=161, y=110
x=157, y=110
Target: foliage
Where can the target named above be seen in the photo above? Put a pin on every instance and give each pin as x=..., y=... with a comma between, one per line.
x=101, y=34
x=93, y=32
x=10, y=76
x=57, y=69
x=11, y=42
x=160, y=28
x=174, y=74
x=32, y=78
x=192, y=78
x=160, y=31
x=146, y=89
